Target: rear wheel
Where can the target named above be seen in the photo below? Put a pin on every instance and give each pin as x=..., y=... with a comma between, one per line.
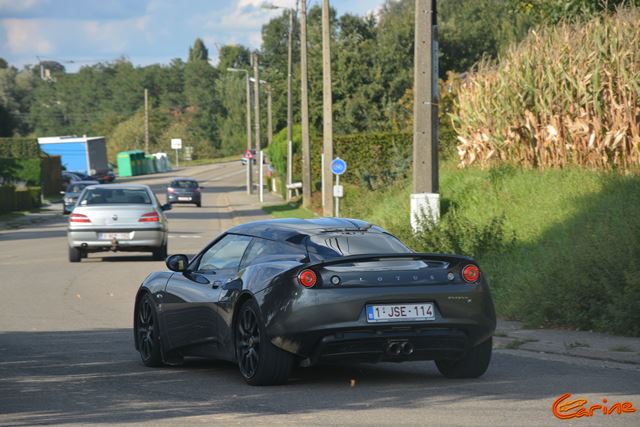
x=199, y=204
x=160, y=254
x=147, y=332
x=472, y=365
x=74, y=254
x=260, y=362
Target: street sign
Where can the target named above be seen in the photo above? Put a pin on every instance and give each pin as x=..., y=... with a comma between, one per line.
x=176, y=144
x=338, y=166
x=248, y=154
x=338, y=191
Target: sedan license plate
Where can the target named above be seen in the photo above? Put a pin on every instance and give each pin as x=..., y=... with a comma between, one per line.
x=400, y=312
x=184, y=199
x=117, y=236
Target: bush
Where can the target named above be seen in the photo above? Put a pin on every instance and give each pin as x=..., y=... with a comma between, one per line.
x=35, y=194
x=567, y=95
x=17, y=169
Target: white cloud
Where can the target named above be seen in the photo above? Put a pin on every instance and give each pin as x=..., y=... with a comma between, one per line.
x=26, y=36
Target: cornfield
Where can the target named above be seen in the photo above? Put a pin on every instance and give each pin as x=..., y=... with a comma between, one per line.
x=568, y=94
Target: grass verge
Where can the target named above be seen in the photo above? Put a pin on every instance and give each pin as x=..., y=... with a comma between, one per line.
x=559, y=247
x=289, y=210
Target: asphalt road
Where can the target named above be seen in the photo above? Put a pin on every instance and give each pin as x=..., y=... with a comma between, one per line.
x=67, y=353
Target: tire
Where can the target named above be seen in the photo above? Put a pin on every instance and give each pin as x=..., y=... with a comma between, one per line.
x=75, y=255
x=260, y=362
x=472, y=365
x=160, y=254
x=147, y=333
x=199, y=204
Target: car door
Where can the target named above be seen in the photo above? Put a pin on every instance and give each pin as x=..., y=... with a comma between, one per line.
x=190, y=308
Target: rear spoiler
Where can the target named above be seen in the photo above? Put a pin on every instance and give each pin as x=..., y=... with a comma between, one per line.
x=447, y=258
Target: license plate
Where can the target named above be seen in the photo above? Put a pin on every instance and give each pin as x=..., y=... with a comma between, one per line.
x=117, y=236
x=400, y=312
x=185, y=199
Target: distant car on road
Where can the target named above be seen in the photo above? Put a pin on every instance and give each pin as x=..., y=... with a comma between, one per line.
x=71, y=194
x=117, y=217
x=184, y=190
x=271, y=294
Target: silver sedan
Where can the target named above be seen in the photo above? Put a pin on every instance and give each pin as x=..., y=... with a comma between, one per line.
x=117, y=217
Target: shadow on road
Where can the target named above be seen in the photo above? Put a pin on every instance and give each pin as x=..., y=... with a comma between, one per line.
x=95, y=376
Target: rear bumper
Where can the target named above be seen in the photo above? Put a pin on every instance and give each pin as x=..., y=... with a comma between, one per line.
x=392, y=345
x=322, y=324
x=175, y=198
x=140, y=239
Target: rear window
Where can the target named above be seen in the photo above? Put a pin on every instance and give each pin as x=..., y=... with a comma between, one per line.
x=184, y=184
x=110, y=196
x=335, y=245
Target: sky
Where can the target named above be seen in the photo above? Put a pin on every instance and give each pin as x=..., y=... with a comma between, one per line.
x=84, y=32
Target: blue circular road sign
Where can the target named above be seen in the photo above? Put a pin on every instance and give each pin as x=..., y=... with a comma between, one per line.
x=338, y=166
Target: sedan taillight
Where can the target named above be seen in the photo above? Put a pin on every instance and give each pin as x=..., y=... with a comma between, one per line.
x=150, y=217
x=75, y=217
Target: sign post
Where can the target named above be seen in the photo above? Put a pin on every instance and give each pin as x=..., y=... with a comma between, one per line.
x=248, y=155
x=338, y=167
x=176, y=144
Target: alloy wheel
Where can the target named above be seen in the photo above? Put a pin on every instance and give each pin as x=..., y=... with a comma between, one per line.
x=248, y=343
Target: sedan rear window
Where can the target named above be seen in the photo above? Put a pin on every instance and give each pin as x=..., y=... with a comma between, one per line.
x=334, y=245
x=110, y=196
x=184, y=184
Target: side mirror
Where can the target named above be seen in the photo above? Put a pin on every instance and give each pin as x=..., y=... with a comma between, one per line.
x=177, y=262
x=166, y=207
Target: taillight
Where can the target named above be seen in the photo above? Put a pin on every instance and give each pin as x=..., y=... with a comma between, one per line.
x=170, y=190
x=307, y=278
x=150, y=217
x=75, y=217
x=471, y=273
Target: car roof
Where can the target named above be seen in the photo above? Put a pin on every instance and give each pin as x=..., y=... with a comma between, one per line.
x=292, y=229
x=122, y=186
x=183, y=179
x=91, y=182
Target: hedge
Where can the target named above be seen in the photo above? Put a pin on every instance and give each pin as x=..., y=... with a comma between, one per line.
x=19, y=148
x=7, y=199
x=373, y=160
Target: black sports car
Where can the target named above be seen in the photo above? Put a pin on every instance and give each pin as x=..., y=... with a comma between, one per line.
x=269, y=294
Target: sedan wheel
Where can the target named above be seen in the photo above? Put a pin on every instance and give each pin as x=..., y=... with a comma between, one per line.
x=147, y=332
x=260, y=362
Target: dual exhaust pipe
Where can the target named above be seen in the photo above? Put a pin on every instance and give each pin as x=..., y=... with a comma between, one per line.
x=397, y=348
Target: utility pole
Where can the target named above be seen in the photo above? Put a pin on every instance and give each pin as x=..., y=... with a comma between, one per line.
x=304, y=109
x=425, y=200
x=269, y=117
x=290, y=106
x=146, y=121
x=256, y=89
x=249, y=140
x=327, y=116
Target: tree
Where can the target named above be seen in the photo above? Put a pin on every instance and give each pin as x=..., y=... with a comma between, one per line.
x=233, y=56
x=198, y=52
